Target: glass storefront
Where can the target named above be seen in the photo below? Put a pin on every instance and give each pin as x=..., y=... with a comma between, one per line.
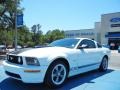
x=113, y=39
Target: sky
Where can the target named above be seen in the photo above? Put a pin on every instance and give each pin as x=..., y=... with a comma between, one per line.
x=66, y=14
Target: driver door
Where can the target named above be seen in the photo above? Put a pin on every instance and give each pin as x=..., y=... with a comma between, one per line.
x=87, y=55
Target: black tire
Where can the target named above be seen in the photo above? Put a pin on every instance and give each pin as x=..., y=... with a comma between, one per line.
x=104, y=65
x=53, y=73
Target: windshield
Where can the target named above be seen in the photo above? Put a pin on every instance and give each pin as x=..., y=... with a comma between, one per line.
x=68, y=43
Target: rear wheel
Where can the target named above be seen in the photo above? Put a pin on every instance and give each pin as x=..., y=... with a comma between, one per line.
x=104, y=64
x=56, y=74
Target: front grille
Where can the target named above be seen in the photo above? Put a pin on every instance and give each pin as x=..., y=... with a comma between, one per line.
x=13, y=75
x=15, y=59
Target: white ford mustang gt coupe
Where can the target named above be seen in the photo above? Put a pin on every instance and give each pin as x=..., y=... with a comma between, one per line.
x=55, y=63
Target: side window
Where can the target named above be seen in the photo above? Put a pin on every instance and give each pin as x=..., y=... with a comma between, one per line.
x=92, y=44
x=83, y=42
x=89, y=43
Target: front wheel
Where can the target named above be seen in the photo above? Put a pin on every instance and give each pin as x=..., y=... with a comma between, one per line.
x=56, y=74
x=104, y=64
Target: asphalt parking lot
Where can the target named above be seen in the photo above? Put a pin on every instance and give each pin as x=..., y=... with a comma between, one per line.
x=93, y=80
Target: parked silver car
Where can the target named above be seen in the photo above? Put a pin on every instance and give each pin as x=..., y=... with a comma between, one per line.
x=2, y=49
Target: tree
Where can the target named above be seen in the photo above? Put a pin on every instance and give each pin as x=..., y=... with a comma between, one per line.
x=7, y=13
x=2, y=1
x=24, y=36
x=37, y=34
x=7, y=17
x=54, y=35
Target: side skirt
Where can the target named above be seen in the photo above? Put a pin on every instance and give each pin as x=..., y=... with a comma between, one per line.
x=84, y=68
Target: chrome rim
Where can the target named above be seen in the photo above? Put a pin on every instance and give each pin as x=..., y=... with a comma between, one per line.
x=58, y=74
x=105, y=64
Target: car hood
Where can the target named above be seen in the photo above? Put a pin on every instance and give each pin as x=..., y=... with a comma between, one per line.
x=41, y=52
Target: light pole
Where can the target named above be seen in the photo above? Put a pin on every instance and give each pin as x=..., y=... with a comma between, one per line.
x=15, y=25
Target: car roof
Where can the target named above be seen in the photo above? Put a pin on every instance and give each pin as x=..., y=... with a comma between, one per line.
x=81, y=38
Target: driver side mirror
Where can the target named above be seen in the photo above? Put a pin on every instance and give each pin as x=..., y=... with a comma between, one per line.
x=82, y=46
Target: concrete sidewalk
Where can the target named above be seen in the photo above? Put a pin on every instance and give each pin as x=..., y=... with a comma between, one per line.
x=2, y=74
x=2, y=58
x=114, y=51
x=1, y=62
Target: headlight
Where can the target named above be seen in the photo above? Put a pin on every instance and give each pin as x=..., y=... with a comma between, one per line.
x=32, y=61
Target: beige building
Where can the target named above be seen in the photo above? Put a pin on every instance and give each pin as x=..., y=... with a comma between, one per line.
x=106, y=32
x=89, y=33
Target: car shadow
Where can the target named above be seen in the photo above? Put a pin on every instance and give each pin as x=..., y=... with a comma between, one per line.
x=11, y=84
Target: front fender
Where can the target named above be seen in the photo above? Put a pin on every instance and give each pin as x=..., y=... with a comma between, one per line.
x=55, y=57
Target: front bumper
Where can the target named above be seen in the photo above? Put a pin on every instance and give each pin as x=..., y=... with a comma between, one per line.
x=27, y=74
